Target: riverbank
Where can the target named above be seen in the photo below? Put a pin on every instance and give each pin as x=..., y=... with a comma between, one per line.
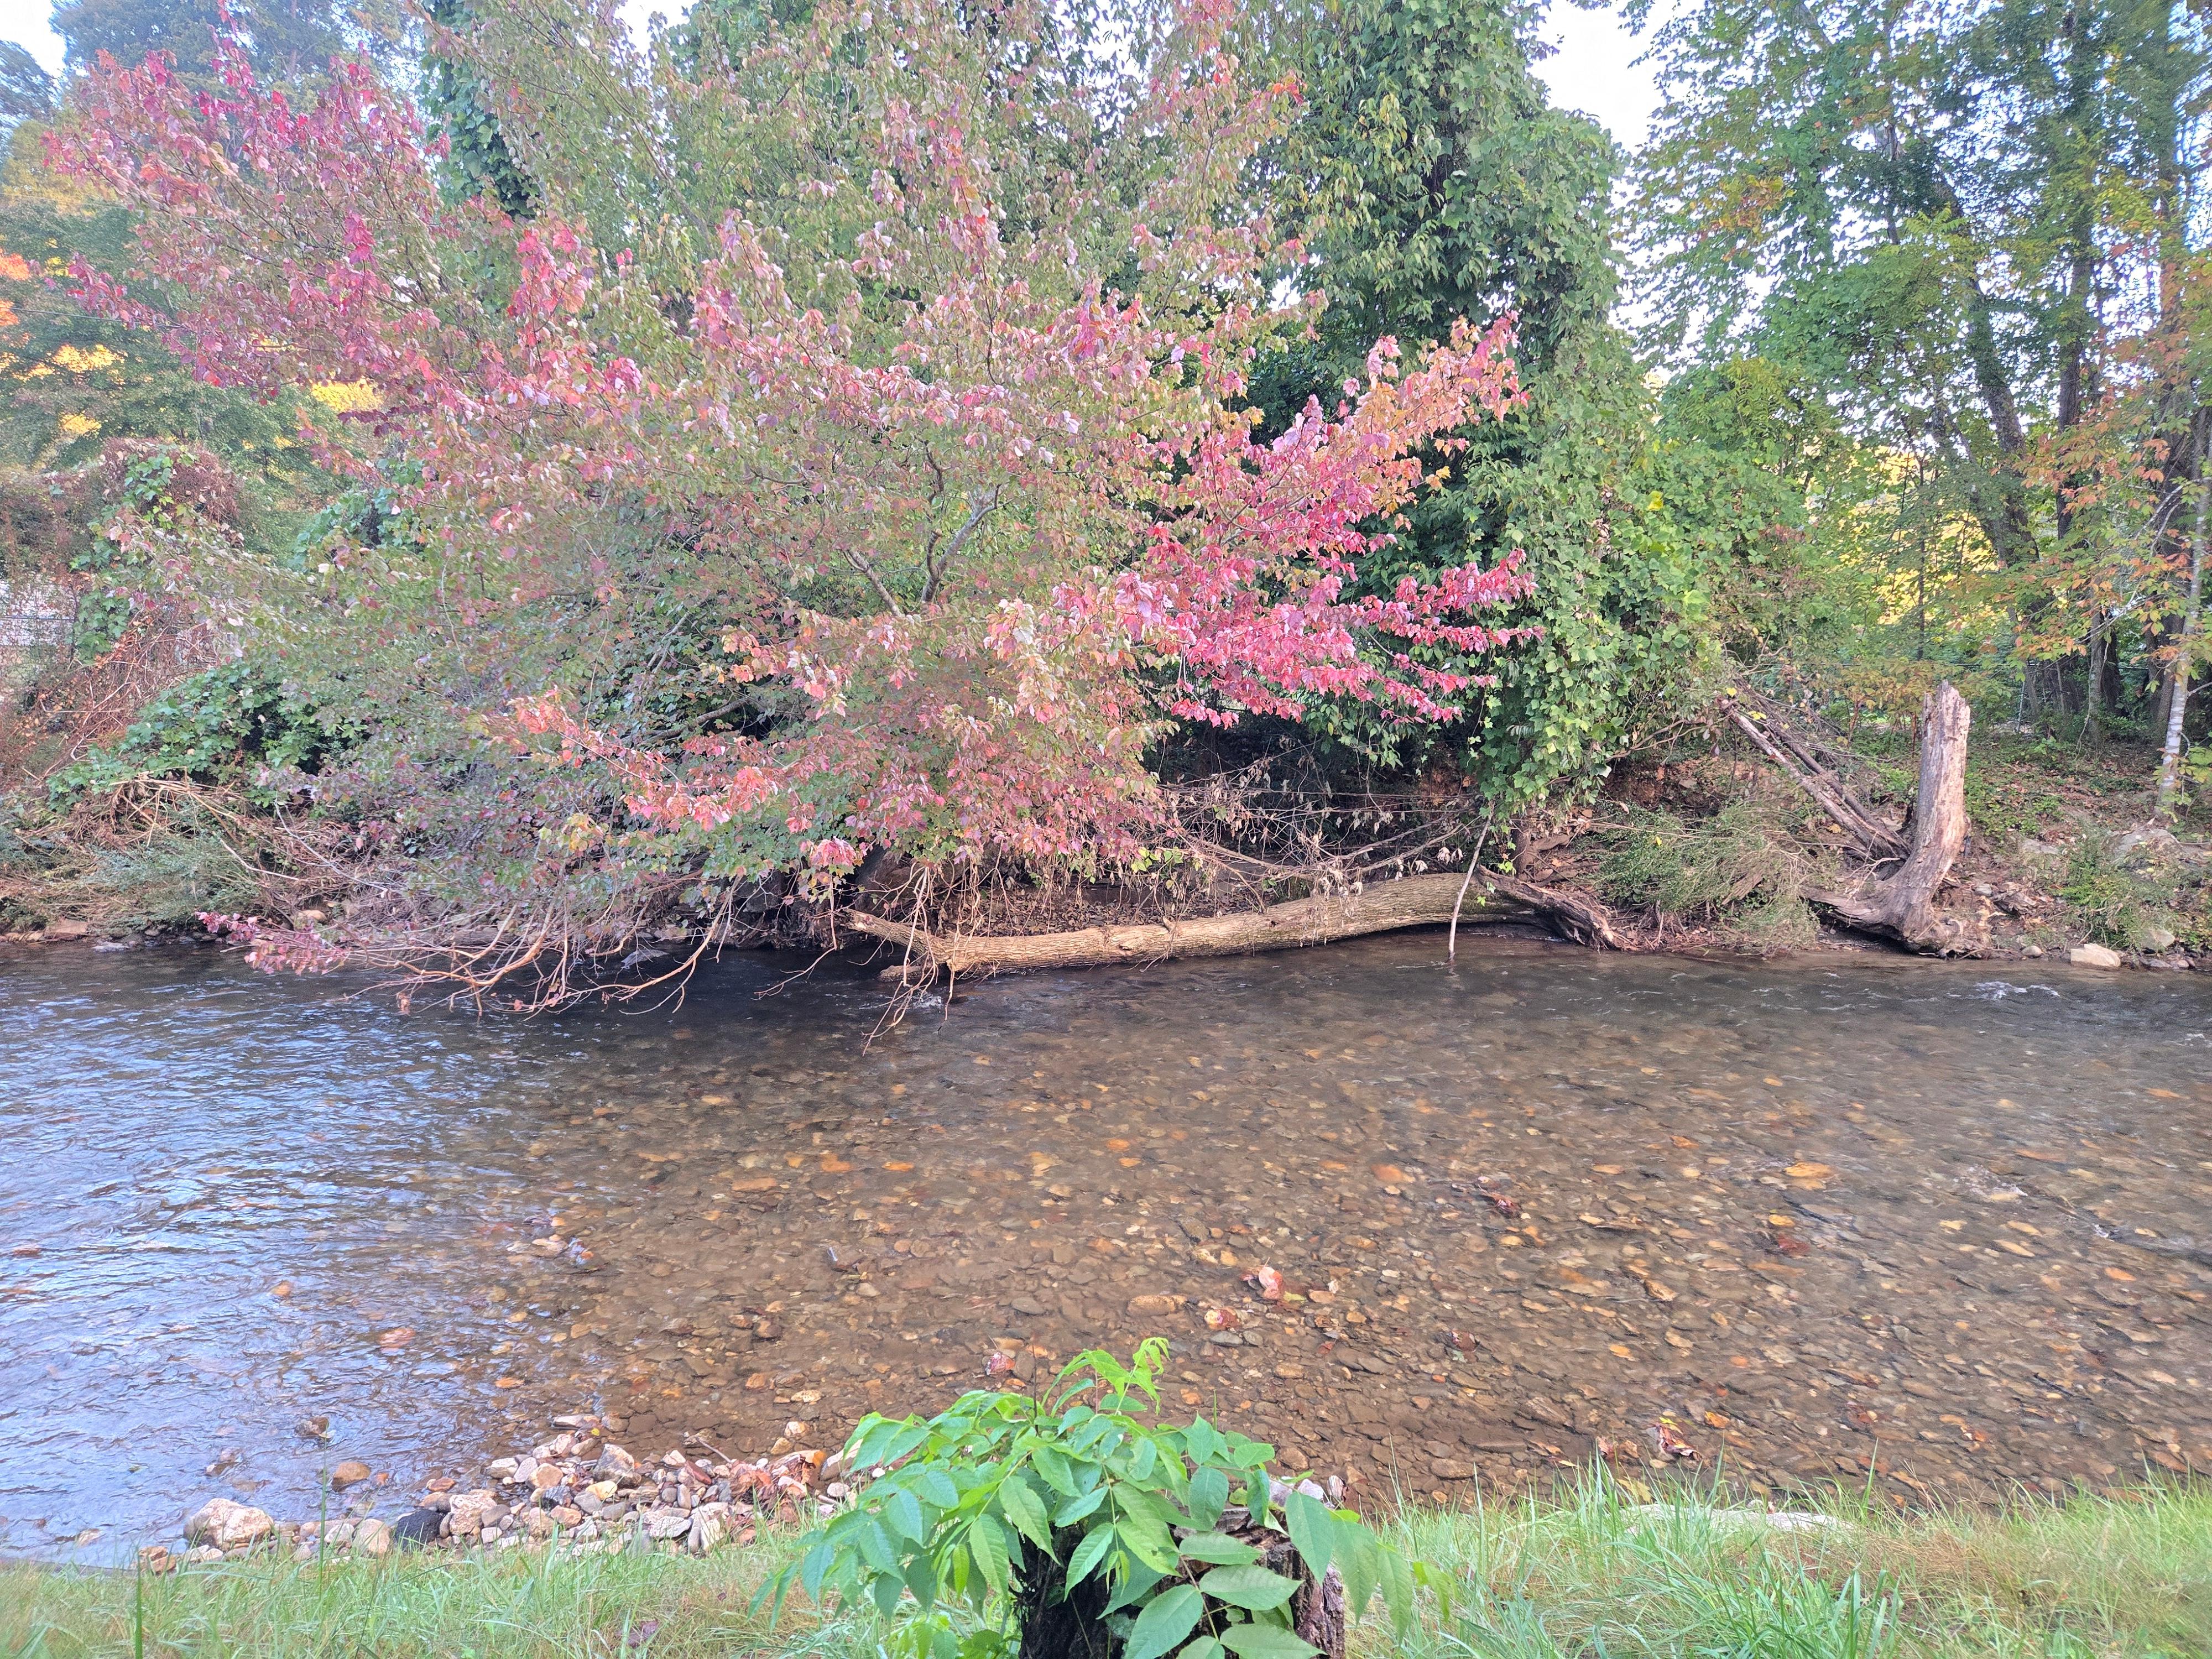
x=2128, y=1574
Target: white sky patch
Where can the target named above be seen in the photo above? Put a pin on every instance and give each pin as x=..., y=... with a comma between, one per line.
x=25, y=22
x=1594, y=69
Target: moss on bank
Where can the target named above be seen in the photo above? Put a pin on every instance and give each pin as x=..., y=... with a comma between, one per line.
x=1589, y=1575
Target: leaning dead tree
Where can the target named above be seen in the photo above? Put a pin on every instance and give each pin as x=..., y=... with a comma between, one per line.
x=1894, y=890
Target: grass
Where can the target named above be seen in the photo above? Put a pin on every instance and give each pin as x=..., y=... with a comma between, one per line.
x=1587, y=1575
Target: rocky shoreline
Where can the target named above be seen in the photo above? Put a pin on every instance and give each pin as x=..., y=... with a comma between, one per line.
x=578, y=1490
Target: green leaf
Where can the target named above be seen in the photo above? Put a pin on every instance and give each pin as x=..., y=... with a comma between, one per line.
x=1206, y=1647
x=815, y=1566
x=1136, y=1584
x=1359, y=1559
x=876, y=1547
x=1026, y=1510
x=1313, y=1529
x=1217, y=1549
x=1165, y=1622
x=886, y=1590
x=1088, y=1554
x=937, y=1486
x=1397, y=1590
x=1266, y=1642
x=1207, y=1497
x=921, y=1581
x=903, y=1512
x=1252, y=1587
x=1076, y=1508
x=988, y=1544
x=1149, y=1542
x=1052, y=1466
x=1143, y=1456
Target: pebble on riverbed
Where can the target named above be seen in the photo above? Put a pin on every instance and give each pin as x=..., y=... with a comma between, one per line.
x=579, y=1489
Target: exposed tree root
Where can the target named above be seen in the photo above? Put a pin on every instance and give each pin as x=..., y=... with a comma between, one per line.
x=1414, y=902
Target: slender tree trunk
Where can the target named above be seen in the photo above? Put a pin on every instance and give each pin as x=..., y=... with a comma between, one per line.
x=2169, y=762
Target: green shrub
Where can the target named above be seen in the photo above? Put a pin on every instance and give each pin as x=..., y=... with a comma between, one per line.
x=1049, y=1517
x=1739, y=871
x=226, y=725
x=2118, y=906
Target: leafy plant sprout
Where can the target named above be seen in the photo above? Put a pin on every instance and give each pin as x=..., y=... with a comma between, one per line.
x=1078, y=1522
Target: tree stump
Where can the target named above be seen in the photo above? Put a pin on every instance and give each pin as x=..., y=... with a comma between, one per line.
x=1901, y=903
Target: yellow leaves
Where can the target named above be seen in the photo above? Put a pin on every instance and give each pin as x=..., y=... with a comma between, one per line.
x=79, y=426
x=78, y=361
x=347, y=397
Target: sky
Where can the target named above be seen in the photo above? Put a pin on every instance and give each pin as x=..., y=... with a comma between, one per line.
x=1592, y=71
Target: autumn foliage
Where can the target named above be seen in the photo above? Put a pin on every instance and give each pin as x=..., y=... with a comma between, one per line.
x=910, y=420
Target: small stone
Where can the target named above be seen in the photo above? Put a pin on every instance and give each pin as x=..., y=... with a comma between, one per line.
x=1154, y=1304
x=545, y=1477
x=538, y=1523
x=223, y=1524
x=371, y=1537
x=2095, y=956
x=567, y=1515
x=709, y=1526
x=503, y=1468
x=199, y=1555
x=613, y=1461
x=351, y=1472
x=664, y=1523
x=1027, y=1304
x=1451, y=1469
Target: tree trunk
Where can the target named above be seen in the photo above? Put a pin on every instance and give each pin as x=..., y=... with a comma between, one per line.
x=1414, y=902
x=1902, y=905
x=2169, y=760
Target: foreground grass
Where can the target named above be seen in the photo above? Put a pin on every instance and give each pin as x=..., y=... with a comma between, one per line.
x=1589, y=1577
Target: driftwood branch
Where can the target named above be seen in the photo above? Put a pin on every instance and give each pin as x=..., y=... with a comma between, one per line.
x=1876, y=840
x=1414, y=902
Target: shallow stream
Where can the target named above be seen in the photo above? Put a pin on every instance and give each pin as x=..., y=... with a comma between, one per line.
x=1945, y=1223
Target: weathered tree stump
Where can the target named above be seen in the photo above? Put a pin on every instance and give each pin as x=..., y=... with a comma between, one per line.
x=1898, y=899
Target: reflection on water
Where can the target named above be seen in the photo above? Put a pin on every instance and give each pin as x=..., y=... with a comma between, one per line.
x=1947, y=1223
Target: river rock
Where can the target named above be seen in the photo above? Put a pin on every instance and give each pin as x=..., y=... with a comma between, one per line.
x=371, y=1537
x=351, y=1472
x=2094, y=955
x=417, y=1528
x=709, y=1526
x=470, y=1512
x=613, y=1461
x=663, y=1523
x=222, y=1524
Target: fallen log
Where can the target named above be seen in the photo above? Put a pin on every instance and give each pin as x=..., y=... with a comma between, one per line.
x=1900, y=903
x=1413, y=902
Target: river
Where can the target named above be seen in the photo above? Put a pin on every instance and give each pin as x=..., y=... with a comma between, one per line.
x=1947, y=1223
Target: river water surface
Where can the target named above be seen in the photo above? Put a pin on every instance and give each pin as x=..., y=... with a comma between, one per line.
x=1942, y=1227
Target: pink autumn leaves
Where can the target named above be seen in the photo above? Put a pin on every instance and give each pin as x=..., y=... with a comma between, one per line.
x=1242, y=589
x=974, y=525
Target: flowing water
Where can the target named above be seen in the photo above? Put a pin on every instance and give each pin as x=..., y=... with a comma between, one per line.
x=1948, y=1224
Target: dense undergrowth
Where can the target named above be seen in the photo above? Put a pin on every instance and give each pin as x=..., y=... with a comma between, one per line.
x=2127, y=1576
